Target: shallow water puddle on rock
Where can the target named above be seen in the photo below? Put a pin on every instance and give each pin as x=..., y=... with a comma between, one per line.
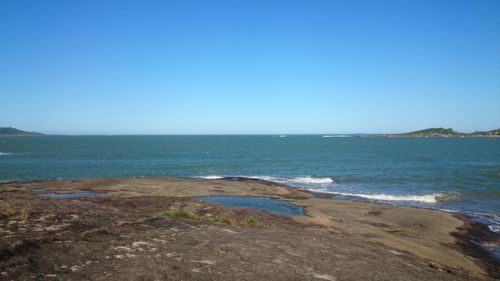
x=75, y=195
x=267, y=204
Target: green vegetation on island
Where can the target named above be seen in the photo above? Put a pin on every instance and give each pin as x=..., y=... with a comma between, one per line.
x=487, y=133
x=9, y=131
x=434, y=132
x=445, y=132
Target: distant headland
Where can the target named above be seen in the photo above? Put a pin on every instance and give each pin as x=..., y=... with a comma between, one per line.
x=9, y=131
x=442, y=132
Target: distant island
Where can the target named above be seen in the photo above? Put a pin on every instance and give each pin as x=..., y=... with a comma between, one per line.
x=9, y=131
x=487, y=133
x=442, y=132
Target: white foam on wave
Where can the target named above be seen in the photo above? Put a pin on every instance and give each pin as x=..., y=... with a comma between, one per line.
x=494, y=228
x=312, y=180
x=5, y=153
x=318, y=185
x=426, y=198
x=210, y=177
x=283, y=180
x=448, y=210
x=267, y=178
x=302, y=180
x=297, y=180
x=491, y=219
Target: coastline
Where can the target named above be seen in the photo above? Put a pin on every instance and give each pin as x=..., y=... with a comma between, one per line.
x=434, y=242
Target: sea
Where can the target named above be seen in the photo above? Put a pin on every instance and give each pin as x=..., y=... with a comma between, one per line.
x=452, y=174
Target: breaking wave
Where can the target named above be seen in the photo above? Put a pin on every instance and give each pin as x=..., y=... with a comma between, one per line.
x=5, y=153
x=283, y=180
x=320, y=184
x=312, y=180
x=210, y=177
x=425, y=198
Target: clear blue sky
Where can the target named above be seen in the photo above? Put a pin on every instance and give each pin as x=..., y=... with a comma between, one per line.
x=198, y=67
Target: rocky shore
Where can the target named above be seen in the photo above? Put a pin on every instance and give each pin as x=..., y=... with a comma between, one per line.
x=153, y=229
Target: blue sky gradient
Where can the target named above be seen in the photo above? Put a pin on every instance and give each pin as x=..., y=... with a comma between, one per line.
x=249, y=67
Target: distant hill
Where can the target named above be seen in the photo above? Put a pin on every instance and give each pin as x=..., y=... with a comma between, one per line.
x=442, y=132
x=487, y=133
x=9, y=131
x=431, y=132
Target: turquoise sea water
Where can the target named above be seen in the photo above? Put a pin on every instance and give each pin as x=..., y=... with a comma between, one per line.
x=456, y=174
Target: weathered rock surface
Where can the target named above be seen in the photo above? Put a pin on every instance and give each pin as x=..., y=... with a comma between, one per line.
x=121, y=235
